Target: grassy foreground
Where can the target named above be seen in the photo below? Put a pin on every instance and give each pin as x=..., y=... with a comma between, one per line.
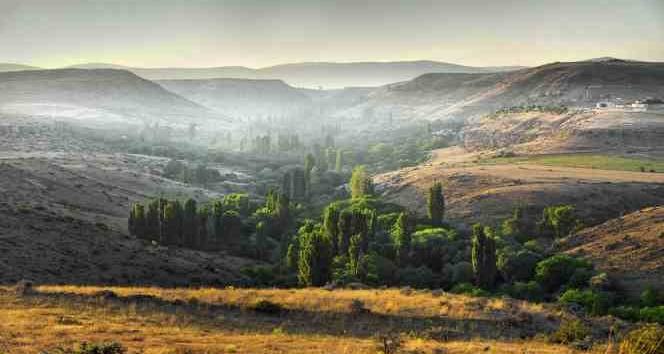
x=595, y=161
x=155, y=320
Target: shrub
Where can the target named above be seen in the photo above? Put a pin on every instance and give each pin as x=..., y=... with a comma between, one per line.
x=645, y=340
x=420, y=277
x=594, y=302
x=570, y=331
x=98, y=348
x=650, y=297
x=468, y=289
x=530, y=291
x=652, y=314
x=518, y=266
x=627, y=313
x=266, y=306
x=558, y=270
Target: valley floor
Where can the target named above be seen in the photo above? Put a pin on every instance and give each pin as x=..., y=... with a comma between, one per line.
x=157, y=320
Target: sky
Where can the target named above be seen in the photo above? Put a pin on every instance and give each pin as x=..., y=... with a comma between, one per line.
x=259, y=33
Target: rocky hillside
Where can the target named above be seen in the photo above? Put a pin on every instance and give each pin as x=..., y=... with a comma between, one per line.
x=629, y=248
x=104, y=95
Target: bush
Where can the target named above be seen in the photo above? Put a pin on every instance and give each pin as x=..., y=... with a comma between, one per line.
x=645, y=340
x=570, y=331
x=468, y=289
x=98, y=348
x=517, y=266
x=530, y=291
x=627, y=313
x=266, y=306
x=556, y=271
x=650, y=297
x=594, y=302
x=652, y=314
x=421, y=277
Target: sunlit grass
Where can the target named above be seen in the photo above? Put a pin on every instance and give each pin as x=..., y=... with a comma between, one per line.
x=594, y=161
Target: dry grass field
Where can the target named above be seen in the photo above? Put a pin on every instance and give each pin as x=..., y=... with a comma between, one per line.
x=206, y=320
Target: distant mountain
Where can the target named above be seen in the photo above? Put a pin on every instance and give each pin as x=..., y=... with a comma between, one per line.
x=7, y=67
x=242, y=98
x=311, y=75
x=101, y=95
x=442, y=96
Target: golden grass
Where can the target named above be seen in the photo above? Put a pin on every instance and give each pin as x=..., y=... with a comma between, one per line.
x=216, y=321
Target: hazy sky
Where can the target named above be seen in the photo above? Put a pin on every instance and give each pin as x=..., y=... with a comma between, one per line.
x=200, y=33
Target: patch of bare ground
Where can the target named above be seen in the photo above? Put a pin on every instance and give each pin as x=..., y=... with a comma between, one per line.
x=207, y=320
x=629, y=248
x=489, y=193
x=47, y=248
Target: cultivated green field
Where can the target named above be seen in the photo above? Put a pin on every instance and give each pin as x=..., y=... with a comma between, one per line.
x=596, y=161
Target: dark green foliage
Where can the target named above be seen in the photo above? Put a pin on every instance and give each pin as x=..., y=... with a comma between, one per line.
x=570, y=331
x=593, y=302
x=558, y=221
x=517, y=266
x=153, y=222
x=403, y=230
x=517, y=226
x=468, y=289
x=232, y=228
x=483, y=258
x=169, y=225
x=416, y=277
x=190, y=224
x=218, y=227
x=557, y=271
x=137, y=221
x=295, y=184
x=434, y=248
x=315, y=259
x=436, y=204
x=238, y=202
x=651, y=297
x=355, y=255
x=331, y=225
x=652, y=314
x=361, y=184
x=292, y=256
x=530, y=291
x=203, y=233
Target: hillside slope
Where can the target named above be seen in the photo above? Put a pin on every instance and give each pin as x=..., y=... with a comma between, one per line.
x=629, y=248
x=241, y=97
x=103, y=95
x=442, y=96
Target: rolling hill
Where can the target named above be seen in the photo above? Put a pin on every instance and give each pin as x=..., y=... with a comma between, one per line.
x=629, y=248
x=312, y=75
x=242, y=97
x=8, y=67
x=100, y=95
x=445, y=95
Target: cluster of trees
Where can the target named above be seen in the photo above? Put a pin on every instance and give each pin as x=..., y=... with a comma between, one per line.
x=206, y=227
x=531, y=108
x=200, y=175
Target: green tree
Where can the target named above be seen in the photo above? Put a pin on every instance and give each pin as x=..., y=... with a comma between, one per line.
x=315, y=259
x=436, y=204
x=153, y=223
x=558, y=221
x=138, y=220
x=361, y=184
x=232, y=224
x=202, y=240
x=339, y=162
x=483, y=257
x=261, y=240
x=331, y=225
x=190, y=224
x=170, y=227
x=403, y=230
x=218, y=226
